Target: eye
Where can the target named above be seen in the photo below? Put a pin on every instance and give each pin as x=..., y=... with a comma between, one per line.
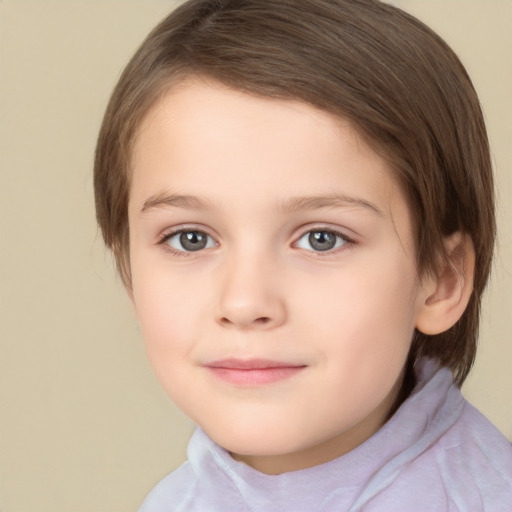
x=189, y=241
x=321, y=240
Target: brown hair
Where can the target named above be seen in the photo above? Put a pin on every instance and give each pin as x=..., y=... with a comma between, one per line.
x=398, y=82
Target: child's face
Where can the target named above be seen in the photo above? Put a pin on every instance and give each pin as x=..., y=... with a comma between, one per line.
x=265, y=230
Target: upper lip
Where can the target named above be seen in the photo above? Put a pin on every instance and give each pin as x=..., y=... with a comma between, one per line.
x=251, y=364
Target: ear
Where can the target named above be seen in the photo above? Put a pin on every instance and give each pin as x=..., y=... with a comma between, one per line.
x=444, y=297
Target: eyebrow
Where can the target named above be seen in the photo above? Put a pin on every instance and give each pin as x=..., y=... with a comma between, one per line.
x=177, y=201
x=294, y=204
x=328, y=201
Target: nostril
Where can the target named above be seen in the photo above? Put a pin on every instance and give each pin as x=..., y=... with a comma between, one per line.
x=262, y=320
x=225, y=321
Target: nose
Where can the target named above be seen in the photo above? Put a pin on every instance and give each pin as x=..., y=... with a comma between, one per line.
x=251, y=296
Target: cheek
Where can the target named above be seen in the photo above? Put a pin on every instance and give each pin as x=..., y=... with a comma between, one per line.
x=363, y=338
x=364, y=317
x=167, y=309
x=169, y=330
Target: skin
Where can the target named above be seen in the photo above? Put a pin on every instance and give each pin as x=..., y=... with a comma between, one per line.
x=230, y=165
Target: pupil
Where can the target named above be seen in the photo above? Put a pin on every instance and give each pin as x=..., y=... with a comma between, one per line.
x=193, y=240
x=322, y=240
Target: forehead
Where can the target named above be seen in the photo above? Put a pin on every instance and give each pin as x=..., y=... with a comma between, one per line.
x=205, y=139
x=204, y=108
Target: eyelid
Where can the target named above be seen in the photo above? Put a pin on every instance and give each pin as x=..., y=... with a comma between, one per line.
x=169, y=231
x=172, y=232
x=304, y=230
x=349, y=241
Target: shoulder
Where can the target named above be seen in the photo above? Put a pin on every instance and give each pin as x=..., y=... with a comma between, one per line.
x=172, y=493
x=475, y=448
x=456, y=461
x=202, y=483
x=469, y=467
x=458, y=439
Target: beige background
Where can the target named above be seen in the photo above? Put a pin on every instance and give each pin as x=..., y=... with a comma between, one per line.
x=84, y=424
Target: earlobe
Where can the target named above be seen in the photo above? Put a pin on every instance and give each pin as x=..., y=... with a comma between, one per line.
x=446, y=295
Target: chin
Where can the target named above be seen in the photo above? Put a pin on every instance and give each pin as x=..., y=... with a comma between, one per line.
x=263, y=440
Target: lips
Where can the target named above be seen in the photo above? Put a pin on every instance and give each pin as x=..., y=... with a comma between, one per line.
x=253, y=372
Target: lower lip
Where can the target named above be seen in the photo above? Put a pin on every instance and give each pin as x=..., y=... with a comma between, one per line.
x=256, y=376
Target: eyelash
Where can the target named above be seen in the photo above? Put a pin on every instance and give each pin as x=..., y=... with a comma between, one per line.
x=176, y=252
x=347, y=242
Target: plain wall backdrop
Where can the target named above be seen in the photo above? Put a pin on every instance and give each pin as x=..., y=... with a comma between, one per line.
x=84, y=425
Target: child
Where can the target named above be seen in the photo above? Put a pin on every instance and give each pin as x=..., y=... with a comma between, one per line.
x=299, y=199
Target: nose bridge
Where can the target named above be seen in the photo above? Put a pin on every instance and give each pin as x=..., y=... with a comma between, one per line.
x=250, y=292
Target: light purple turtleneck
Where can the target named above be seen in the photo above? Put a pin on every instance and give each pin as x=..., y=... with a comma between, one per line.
x=436, y=454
